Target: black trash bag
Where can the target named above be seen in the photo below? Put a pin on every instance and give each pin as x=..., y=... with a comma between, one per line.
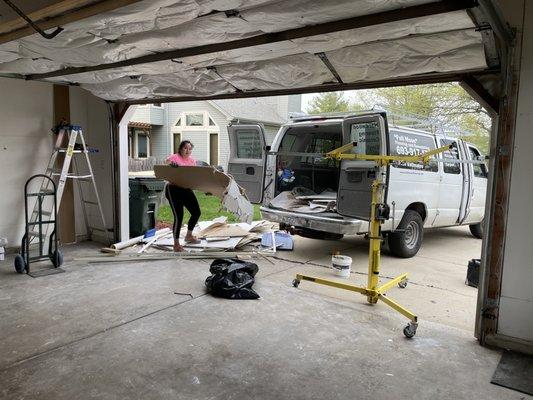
x=232, y=279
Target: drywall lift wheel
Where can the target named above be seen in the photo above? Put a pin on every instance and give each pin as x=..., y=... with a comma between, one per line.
x=56, y=258
x=402, y=284
x=20, y=265
x=295, y=283
x=410, y=330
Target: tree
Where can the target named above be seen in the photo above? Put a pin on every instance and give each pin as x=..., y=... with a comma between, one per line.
x=445, y=104
x=328, y=102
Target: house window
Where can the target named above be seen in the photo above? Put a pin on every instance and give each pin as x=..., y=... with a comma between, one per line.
x=142, y=144
x=194, y=120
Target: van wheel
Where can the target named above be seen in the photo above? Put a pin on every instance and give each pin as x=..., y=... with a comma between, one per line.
x=477, y=230
x=406, y=242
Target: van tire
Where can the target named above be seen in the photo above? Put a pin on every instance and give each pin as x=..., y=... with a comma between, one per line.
x=406, y=242
x=477, y=230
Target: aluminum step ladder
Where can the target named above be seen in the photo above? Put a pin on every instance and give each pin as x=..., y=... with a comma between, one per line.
x=86, y=183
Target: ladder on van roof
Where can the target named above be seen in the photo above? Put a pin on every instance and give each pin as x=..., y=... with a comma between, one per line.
x=395, y=117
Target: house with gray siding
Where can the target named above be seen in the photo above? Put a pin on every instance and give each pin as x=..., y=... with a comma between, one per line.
x=155, y=130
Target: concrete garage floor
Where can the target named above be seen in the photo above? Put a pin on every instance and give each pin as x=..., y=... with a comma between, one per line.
x=119, y=331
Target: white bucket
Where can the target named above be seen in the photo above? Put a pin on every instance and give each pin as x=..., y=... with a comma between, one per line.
x=341, y=265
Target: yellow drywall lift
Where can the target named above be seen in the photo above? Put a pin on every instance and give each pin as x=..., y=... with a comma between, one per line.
x=379, y=212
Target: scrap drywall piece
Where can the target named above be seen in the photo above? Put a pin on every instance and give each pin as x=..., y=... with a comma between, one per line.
x=203, y=225
x=210, y=180
x=236, y=202
x=223, y=230
x=229, y=244
x=138, y=239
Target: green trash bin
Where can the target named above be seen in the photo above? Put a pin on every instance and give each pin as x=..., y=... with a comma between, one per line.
x=145, y=199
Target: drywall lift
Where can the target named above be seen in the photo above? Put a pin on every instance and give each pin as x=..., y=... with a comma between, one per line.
x=379, y=212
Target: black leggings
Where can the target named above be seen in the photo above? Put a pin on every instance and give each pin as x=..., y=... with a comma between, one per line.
x=177, y=198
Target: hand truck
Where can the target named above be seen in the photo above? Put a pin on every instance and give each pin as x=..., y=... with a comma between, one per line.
x=36, y=227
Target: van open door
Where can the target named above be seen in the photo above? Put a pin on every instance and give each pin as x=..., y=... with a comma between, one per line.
x=356, y=176
x=247, y=159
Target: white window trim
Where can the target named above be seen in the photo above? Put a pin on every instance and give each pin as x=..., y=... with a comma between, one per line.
x=183, y=117
x=136, y=142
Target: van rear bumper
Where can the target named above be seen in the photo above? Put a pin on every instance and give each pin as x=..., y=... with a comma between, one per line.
x=311, y=221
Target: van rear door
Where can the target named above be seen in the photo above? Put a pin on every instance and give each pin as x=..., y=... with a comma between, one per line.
x=247, y=159
x=356, y=176
x=479, y=186
x=451, y=185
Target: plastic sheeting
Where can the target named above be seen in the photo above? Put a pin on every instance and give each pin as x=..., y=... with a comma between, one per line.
x=440, y=43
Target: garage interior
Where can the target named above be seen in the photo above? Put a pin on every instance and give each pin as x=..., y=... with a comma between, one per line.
x=148, y=329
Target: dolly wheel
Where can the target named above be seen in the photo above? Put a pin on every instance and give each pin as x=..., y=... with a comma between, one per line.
x=295, y=283
x=20, y=265
x=409, y=331
x=402, y=284
x=56, y=258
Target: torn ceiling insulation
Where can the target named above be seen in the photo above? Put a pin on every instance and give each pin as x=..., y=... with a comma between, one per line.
x=138, y=40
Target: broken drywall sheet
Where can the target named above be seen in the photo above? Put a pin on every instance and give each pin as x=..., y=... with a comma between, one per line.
x=212, y=181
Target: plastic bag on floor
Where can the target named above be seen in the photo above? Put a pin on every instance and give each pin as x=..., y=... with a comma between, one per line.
x=232, y=279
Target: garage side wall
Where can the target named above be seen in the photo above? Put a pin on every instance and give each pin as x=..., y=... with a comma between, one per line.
x=516, y=302
x=26, y=112
x=92, y=114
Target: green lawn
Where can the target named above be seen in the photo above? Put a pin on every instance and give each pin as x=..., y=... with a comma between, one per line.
x=209, y=205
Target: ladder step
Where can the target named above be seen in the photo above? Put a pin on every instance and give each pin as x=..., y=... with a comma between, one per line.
x=93, y=228
x=93, y=203
x=74, y=151
x=80, y=177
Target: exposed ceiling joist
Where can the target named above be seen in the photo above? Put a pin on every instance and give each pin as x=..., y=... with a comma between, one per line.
x=406, y=13
x=329, y=66
x=58, y=14
x=332, y=87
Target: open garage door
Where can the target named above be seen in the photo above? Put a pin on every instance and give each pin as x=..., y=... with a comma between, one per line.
x=136, y=52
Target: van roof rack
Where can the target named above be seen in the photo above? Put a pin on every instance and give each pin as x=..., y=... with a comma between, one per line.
x=399, y=119
x=426, y=124
x=301, y=117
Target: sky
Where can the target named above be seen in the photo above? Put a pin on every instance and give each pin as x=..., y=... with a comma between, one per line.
x=306, y=98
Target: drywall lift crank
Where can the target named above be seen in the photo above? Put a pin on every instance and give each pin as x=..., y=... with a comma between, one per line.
x=379, y=212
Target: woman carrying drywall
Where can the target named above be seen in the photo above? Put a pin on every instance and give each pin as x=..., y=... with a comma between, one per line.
x=179, y=197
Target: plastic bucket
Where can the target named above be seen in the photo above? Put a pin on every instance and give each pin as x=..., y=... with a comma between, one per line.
x=341, y=265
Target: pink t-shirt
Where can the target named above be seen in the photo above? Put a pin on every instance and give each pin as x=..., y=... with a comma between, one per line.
x=183, y=162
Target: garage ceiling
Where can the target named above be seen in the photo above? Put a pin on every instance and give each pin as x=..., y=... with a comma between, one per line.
x=171, y=50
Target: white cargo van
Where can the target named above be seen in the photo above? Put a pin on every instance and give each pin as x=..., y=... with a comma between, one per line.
x=323, y=198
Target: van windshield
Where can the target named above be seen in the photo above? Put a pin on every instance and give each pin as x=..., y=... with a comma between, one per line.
x=309, y=170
